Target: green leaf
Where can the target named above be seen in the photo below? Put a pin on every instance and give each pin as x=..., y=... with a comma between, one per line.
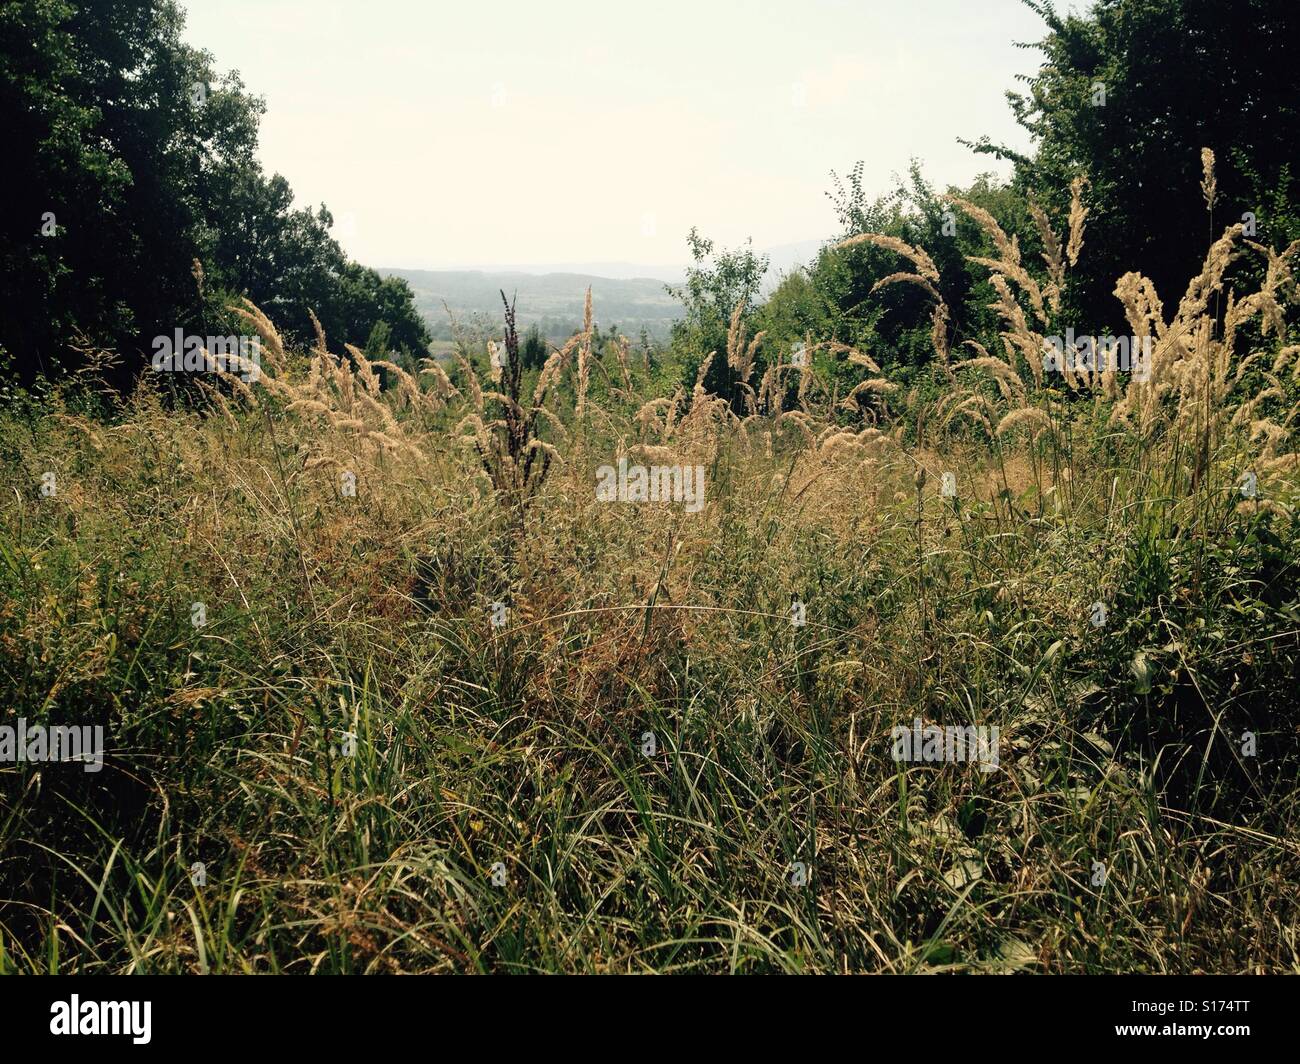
x=1143, y=673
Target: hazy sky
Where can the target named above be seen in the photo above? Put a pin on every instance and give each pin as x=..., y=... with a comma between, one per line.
x=551, y=131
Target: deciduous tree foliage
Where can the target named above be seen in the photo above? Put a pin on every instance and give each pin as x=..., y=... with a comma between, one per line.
x=127, y=158
x=1128, y=94
x=717, y=282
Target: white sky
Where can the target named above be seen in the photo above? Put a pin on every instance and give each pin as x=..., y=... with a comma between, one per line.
x=551, y=131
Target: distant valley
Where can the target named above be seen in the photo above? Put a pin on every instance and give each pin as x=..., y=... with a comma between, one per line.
x=552, y=301
x=629, y=296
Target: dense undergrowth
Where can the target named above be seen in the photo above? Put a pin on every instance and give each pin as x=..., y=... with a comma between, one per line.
x=647, y=766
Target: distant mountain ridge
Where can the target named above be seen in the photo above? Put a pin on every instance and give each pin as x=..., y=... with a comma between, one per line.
x=553, y=301
x=669, y=273
x=628, y=295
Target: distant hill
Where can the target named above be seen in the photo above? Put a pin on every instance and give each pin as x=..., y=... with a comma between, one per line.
x=786, y=257
x=628, y=295
x=554, y=301
x=619, y=271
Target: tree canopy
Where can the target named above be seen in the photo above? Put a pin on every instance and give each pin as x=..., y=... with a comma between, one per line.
x=1128, y=95
x=128, y=158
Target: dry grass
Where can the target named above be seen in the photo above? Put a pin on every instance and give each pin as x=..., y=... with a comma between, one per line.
x=523, y=748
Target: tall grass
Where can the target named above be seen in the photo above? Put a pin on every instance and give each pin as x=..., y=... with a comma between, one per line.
x=648, y=767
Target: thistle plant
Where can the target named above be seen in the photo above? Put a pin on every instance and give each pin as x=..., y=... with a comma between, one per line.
x=504, y=426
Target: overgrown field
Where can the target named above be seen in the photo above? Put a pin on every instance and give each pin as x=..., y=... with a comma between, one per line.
x=472, y=718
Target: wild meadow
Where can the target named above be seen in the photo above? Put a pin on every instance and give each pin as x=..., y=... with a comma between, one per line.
x=388, y=684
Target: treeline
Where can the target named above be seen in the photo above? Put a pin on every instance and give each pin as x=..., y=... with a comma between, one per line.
x=1128, y=96
x=135, y=204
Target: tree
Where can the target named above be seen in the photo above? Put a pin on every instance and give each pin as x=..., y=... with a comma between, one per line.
x=715, y=285
x=1128, y=95
x=128, y=158
x=532, y=352
x=838, y=298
